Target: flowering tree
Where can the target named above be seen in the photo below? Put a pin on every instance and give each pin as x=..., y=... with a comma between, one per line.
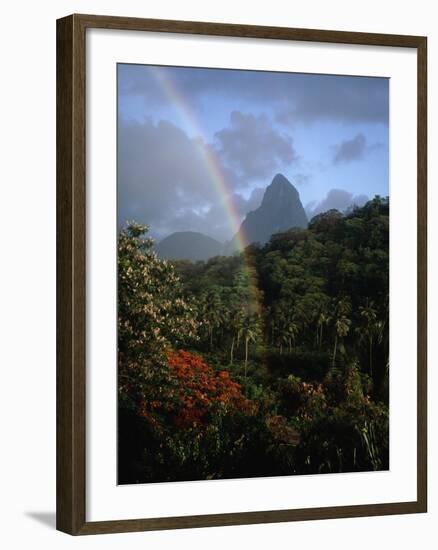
x=202, y=390
x=152, y=315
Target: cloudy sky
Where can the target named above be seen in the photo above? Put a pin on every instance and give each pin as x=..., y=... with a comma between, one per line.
x=190, y=141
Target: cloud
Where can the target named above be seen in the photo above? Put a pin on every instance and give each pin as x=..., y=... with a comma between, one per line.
x=301, y=179
x=316, y=98
x=353, y=149
x=164, y=182
x=293, y=97
x=243, y=205
x=253, y=148
x=162, y=175
x=338, y=199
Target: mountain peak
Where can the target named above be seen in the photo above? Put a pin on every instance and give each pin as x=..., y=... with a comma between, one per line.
x=279, y=179
x=188, y=245
x=281, y=209
x=280, y=189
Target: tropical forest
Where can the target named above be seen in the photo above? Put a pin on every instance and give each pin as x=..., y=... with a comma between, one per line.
x=270, y=360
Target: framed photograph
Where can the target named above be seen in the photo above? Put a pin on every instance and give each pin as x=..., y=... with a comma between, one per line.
x=241, y=274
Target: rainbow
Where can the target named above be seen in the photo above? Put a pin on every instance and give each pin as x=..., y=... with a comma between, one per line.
x=217, y=177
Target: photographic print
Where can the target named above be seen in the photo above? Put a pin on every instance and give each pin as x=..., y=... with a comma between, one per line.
x=253, y=273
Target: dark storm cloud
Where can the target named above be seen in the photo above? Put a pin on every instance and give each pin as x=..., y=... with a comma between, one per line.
x=294, y=97
x=337, y=98
x=353, y=149
x=338, y=199
x=217, y=220
x=252, y=147
x=164, y=182
x=161, y=174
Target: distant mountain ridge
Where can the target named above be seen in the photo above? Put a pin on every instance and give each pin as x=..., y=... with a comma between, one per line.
x=188, y=245
x=281, y=209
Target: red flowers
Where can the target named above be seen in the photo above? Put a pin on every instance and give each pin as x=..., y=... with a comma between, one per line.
x=193, y=393
x=201, y=389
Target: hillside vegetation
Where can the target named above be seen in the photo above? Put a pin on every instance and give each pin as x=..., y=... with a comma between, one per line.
x=273, y=361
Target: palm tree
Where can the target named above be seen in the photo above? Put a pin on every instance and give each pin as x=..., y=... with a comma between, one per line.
x=281, y=330
x=235, y=321
x=341, y=323
x=372, y=330
x=323, y=319
x=210, y=309
x=342, y=327
x=248, y=332
x=292, y=330
x=284, y=325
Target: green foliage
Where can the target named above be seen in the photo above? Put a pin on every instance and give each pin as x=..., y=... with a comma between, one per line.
x=299, y=326
x=153, y=315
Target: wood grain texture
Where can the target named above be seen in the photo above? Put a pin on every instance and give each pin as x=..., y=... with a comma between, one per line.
x=248, y=518
x=422, y=274
x=64, y=272
x=71, y=230
x=248, y=31
x=71, y=270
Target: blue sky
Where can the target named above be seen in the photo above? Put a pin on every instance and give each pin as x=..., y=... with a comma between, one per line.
x=327, y=134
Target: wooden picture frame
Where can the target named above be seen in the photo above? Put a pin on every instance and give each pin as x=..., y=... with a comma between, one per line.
x=71, y=274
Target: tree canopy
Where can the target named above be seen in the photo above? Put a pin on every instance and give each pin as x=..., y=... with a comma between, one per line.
x=273, y=361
